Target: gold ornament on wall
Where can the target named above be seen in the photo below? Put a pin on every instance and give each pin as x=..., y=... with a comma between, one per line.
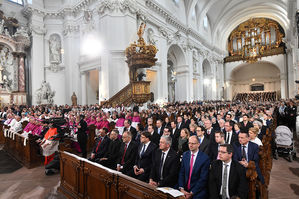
x=254, y=39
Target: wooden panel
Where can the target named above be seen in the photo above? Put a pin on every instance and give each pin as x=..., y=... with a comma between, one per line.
x=91, y=137
x=130, y=188
x=2, y=138
x=71, y=175
x=97, y=181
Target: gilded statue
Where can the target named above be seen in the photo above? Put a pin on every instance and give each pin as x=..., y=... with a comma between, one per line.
x=141, y=30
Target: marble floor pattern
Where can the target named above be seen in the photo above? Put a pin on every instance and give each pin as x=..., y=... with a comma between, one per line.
x=34, y=184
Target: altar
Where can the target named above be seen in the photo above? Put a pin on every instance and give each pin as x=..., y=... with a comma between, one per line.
x=13, y=43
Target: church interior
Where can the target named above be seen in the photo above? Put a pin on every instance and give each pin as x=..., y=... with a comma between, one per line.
x=122, y=98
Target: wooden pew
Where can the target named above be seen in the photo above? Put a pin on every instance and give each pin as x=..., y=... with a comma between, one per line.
x=81, y=178
x=71, y=175
x=130, y=188
x=2, y=138
x=26, y=151
x=251, y=176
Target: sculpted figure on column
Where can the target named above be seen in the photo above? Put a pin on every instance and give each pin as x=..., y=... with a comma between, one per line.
x=55, y=46
x=74, y=99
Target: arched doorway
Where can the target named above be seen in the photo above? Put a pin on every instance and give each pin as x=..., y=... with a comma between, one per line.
x=207, y=79
x=177, y=70
x=256, y=77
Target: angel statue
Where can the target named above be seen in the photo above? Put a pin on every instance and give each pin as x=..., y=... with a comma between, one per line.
x=141, y=30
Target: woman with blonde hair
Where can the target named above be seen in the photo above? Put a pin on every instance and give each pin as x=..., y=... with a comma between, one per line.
x=253, y=132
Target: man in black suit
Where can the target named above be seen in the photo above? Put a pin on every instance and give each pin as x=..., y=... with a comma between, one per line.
x=166, y=164
x=82, y=136
x=203, y=141
x=245, y=124
x=127, y=153
x=227, y=177
x=159, y=128
x=128, y=127
x=180, y=124
x=214, y=146
x=174, y=130
x=230, y=135
x=143, y=163
x=101, y=146
x=210, y=131
x=110, y=158
x=155, y=138
x=246, y=151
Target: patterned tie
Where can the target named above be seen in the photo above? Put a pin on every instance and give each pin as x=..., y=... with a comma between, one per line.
x=161, y=166
x=123, y=158
x=224, y=182
x=190, y=172
x=243, y=152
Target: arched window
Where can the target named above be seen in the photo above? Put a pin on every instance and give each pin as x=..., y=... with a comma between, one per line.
x=205, y=22
x=17, y=1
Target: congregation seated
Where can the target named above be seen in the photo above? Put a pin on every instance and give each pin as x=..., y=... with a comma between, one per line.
x=253, y=136
x=138, y=152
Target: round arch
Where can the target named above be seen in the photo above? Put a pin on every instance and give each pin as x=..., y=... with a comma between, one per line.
x=265, y=73
x=176, y=60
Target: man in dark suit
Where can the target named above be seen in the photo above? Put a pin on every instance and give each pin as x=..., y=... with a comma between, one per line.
x=245, y=151
x=143, y=163
x=155, y=138
x=245, y=124
x=159, y=128
x=101, y=146
x=230, y=135
x=227, y=177
x=210, y=131
x=204, y=143
x=180, y=124
x=193, y=176
x=127, y=153
x=110, y=158
x=174, y=130
x=82, y=136
x=128, y=127
x=166, y=163
x=214, y=146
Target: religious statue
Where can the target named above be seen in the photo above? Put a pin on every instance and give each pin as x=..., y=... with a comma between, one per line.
x=44, y=94
x=2, y=26
x=141, y=30
x=55, y=47
x=1, y=78
x=150, y=37
x=74, y=99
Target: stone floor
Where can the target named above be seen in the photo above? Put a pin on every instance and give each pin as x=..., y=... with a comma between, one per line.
x=34, y=184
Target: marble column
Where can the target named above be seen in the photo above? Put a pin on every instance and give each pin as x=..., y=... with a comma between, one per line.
x=83, y=88
x=283, y=85
x=21, y=82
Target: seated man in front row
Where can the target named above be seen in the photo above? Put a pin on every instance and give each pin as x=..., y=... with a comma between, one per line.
x=166, y=164
x=143, y=162
x=245, y=151
x=194, y=173
x=101, y=145
x=227, y=177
